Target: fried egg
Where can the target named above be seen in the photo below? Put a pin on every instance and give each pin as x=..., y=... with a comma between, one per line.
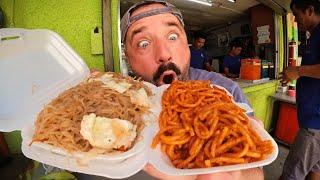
x=106, y=133
x=140, y=98
x=108, y=81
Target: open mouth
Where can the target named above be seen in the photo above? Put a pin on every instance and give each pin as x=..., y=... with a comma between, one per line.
x=168, y=77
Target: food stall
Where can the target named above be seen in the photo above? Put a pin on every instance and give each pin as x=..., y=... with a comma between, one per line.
x=84, y=34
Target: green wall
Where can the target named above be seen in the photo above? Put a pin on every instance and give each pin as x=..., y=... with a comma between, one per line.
x=72, y=19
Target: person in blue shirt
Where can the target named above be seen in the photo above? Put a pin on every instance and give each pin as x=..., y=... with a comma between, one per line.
x=304, y=155
x=199, y=58
x=232, y=61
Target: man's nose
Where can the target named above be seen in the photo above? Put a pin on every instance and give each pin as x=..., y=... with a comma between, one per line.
x=163, y=53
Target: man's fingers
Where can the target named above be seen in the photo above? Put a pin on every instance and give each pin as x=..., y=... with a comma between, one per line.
x=153, y=171
x=216, y=176
x=159, y=175
x=284, y=82
x=258, y=120
x=281, y=75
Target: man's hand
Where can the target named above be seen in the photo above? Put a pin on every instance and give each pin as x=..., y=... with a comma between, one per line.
x=258, y=120
x=152, y=171
x=290, y=74
x=249, y=174
x=232, y=175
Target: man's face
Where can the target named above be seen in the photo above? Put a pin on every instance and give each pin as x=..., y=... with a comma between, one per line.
x=157, y=48
x=236, y=51
x=199, y=43
x=301, y=17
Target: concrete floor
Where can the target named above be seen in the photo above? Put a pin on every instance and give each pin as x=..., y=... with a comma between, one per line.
x=16, y=168
x=274, y=170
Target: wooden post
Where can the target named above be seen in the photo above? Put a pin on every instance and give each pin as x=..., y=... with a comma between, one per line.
x=116, y=44
x=107, y=35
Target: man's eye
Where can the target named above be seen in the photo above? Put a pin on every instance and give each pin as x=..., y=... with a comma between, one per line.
x=173, y=36
x=143, y=44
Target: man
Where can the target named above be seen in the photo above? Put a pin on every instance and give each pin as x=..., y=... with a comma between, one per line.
x=157, y=50
x=199, y=58
x=304, y=155
x=232, y=61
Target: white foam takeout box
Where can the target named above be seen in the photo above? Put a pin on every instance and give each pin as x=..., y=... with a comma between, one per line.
x=35, y=67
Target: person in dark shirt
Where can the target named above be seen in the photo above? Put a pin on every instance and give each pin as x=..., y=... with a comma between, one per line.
x=199, y=58
x=304, y=155
x=232, y=61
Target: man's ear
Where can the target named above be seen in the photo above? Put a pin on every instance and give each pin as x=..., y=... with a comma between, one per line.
x=125, y=53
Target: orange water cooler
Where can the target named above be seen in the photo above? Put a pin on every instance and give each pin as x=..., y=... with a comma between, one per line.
x=250, y=69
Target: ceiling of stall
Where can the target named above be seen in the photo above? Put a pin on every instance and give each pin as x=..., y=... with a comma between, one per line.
x=199, y=16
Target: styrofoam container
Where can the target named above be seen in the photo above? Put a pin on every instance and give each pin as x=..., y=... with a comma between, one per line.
x=111, y=158
x=163, y=164
x=36, y=66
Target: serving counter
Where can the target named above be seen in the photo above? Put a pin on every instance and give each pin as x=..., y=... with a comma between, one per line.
x=259, y=96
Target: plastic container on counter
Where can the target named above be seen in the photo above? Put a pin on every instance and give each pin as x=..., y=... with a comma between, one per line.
x=250, y=69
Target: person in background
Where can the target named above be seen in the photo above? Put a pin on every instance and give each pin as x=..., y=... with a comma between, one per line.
x=232, y=61
x=199, y=58
x=304, y=155
x=156, y=48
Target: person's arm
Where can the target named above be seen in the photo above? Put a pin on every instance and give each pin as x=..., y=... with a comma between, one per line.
x=207, y=66
x=228, y=74
x=293, y=73
x=309, y=71
x=226, y=65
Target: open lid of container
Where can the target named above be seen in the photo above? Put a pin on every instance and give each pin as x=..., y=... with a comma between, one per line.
x=35, y=66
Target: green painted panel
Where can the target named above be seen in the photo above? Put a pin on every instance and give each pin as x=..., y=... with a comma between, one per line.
x=73, y=20
x=259, y=98
x=260, y=86
x=7, y=7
